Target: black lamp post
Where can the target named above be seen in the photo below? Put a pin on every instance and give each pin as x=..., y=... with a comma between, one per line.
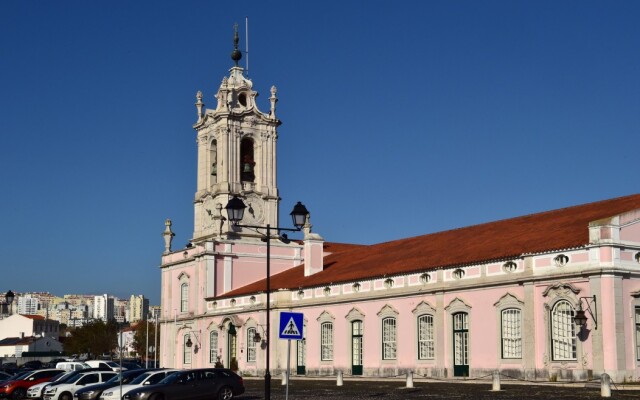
x=580, y=318
x=235, y=212
x=8, y=299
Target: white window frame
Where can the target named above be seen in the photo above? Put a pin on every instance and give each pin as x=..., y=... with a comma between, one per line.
x=563, y=332
x=184, y=297
x=186, y=351
x=426, y=337
x=511, y=333
x=213, y=347
x=326, y=341
x=389, y=338
x=251, y=345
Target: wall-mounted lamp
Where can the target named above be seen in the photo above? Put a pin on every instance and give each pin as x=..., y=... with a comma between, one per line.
x=189, y=343
x=580, y=318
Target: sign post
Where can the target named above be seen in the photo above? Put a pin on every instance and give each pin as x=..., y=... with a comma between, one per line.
x=291, y=328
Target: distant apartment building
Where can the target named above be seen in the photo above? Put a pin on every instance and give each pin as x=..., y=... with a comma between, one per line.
x=103, y=307
x=154, y=312
x=28, y=305
x=138, y=308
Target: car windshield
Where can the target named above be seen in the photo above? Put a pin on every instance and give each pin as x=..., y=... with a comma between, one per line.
x=171, y=378
x=69, y=376
x=141, y=378
x=112, y=364
x=22, y=375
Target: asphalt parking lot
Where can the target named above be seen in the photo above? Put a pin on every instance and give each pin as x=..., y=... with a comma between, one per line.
x=394, y=389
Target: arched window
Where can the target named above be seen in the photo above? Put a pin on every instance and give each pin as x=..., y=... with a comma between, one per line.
x=426, y=347
x=184, y=297
x=247, y=161
x=563, y=332
x=186, y=351
x=326, y=341
x=389, y=339
x=511, y=333
x=251, y=345
x=213, y=347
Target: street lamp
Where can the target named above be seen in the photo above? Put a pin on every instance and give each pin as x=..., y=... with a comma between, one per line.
x=580, y=319
x=8, y=299
x=235, y=212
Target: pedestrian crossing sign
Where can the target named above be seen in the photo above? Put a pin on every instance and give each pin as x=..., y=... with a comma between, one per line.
x=291, y=326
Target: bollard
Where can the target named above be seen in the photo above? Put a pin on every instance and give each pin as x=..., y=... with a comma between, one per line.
x=496, y=381
x=605, y=385
x=410, y=379
x=339, y=380
x=284, y=378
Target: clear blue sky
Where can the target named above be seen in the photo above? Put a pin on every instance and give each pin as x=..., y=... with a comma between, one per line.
x=399, y=118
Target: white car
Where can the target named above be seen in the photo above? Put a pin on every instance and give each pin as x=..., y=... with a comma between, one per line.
x=104, y=365
x=36, y=391
x=146, y=378
x=65, y=391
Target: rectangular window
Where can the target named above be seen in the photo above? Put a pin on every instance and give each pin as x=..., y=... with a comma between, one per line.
x=186, y=351
x=426, y=347
x=184, y=293
x=389, y=339
x=213, y=347
x=251, y=345
x=326, y=341
x=511, y=333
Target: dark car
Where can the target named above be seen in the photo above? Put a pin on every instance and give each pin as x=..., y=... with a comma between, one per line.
x=205, y=383
x=33, y=364
x=93, y=392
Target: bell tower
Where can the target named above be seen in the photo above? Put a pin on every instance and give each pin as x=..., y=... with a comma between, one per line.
x=236, y=156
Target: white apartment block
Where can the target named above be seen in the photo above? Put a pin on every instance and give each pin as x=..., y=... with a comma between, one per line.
x=103, y=307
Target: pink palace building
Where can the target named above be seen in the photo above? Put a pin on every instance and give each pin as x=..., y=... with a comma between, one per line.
x=554, y=295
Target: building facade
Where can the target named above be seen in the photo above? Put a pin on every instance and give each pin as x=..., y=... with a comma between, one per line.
x=138, y=308
x=103, y=307
x=503, y=295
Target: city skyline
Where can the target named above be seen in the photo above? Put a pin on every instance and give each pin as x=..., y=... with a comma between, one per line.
x=466, y=112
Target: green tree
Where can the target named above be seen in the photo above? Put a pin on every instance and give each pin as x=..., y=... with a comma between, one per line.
x=140, y=339
x=93, y=339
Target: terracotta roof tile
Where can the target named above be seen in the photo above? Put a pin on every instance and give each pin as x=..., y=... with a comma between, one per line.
x=547, y=231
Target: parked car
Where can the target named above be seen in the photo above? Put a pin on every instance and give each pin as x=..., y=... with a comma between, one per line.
x=205, y=383
x=148, y=377
x=9, y=368
x=16, y=388
x=30, y=365
x=93, y=392
x=5, y=376
x=35, y=391
x=104, y=365
x=72, y=365
x=65, y=391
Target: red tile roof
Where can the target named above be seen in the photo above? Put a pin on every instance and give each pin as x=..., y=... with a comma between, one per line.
x=31, y=316
x=500, y=240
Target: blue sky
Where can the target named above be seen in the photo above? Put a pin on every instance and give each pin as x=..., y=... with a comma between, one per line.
x=399, y=119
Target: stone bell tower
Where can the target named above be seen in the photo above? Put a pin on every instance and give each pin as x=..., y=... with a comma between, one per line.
x=236, y=156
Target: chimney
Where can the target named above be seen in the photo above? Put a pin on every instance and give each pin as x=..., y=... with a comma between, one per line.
x=313, y=251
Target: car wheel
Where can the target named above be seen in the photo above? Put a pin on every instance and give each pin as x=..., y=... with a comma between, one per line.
x=18, y=394
x=66, y=396
x=225, y=393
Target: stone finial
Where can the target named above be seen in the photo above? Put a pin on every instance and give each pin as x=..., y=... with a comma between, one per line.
x=168, y=236
x=273, y=99
x=199, y=105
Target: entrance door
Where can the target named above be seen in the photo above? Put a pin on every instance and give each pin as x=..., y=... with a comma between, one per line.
x=356, y=347
x=461, y=344
x=302, y=357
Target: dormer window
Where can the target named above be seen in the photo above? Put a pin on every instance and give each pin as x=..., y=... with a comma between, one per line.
x=637, y=256
x=509, y=267
x=458, y=274
x=388, y=283
x=425, y=278
x=561, y=260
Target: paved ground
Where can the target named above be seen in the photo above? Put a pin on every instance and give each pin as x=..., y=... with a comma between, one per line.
x=388, y=389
